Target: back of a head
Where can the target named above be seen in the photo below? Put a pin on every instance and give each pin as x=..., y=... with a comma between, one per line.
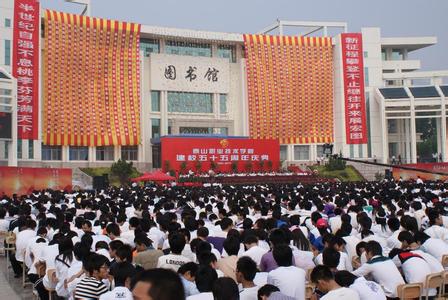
x=374, y=248
x=266, y=290
x=125, y=253
x=331, y=257
x=344, y=278
x=123, y=272
x=232, y=245
x=277, y=237
x=188, y=267
x=225, y=288
x=164, y=284
x=321, y=272
x=177, y=243
x=421, y=237
x=282, y=255
x=406, y=236
x=226, y=223
x=94, y=262
x=246, y=266
x=205, y=278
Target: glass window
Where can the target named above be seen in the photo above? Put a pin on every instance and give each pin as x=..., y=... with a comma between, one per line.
x=5, y=92
x=360, y=151
x=51, y=152
x=6, y=149
x=392, y=126
x=7, y=23
x=352, y=151
x=223, y=103
x=19, y=149
x=320, y=151
x=190, y=102
x=227, y=51
x=149, y=46
x=188, y=48
x=155, y=125
x=78, y=153
x=105, y=153
x=383, y=54
x=366, y=54
x=30, y=149
x=156, y=156
x=283, y=152
x=224, y=130
x=7, y=52
x=195, y=130
x=301, y=152
x=129, y=152
x=366, y=76
x=397, y=54
x=155, y=100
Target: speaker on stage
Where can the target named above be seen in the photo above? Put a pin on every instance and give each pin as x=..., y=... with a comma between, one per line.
x=100, y=182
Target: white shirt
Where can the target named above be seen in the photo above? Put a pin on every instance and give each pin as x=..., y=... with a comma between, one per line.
x=256, y=252
x=118, y=293
x=49, y=256
x=249, y=293
x=437, y=232
x=368, y=290
x=341, y=293
x=22, y=240
x=201, y=296
x=290, y=280
x=350, y=247
x=172, y=261
x=435, y=247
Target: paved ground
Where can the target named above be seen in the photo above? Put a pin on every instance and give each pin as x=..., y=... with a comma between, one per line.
x=11, y=288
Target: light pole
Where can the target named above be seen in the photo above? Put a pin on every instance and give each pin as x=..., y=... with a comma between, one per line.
x=86, y=11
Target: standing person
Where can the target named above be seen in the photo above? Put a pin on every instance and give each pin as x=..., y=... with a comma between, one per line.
x=288, y=278
x=246, y=270
x=92, y=286
x=323, y=278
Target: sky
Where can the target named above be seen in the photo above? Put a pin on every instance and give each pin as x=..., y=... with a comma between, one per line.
x=396, y=18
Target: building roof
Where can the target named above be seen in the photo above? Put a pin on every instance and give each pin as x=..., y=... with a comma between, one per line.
x=409, y=43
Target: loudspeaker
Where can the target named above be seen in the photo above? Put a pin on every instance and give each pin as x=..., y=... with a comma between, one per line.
x=100, y=182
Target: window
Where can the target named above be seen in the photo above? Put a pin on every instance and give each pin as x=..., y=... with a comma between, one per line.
x=320, y=151
x=190, y=102
x=301, y=152
x=195, y=130
x=155, y=101
x=188, y=48
x=5, y=92
x=392, y=126
x=366, y=76
x=7, y=23
x=222, y=103
x=227, y=51
x=155, y=125
x=156, y=157
x=105, y=153
x=360, y=151
x=149, y=46
x=6, y=149
x=283, y=152
x=352, y=151
x=78, y=153
x=7, y=52
x=397, y=54
x=366, y=54
x=383, y=54
x=30, y=149
x=19, y=149
x=51, y=152
x=129, y=153
x=224, y=130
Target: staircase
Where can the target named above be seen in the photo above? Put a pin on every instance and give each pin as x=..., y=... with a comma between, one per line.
x=368, y=171
x=81, y=179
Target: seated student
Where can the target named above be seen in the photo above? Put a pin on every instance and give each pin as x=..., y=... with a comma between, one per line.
x=381, y=269
x=175, y=259
x=253, y=250
x=436, y=229
x=435, y=247
x=96, y=267
x=101, y=247
x=323, y=278
x=225, y=288
x=187, y=273
x=246, y=269
x=269, y=291
x=228, y=264
x=331, y=259
x=288, y=278
x=158, y=284
x=209, y=259
x=205, y=278
x=122, y=280
x=367, y=290
x=147, y=257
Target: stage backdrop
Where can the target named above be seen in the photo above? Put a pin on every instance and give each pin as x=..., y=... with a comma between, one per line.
x=435, y=167
x=21, y=181
x=224, y=151
x=91, y=81
x=290, y=88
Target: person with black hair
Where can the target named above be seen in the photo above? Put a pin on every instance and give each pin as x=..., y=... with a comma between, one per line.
x=23, y=237
x=124, y=273
x=330, y=259
x=323, y=278
x=381, y=269
x=253, y=251
x=160, y=284
x=394, y=226
x=225, y=288
x=147, y=257
x=187, y=273
x=205, y=279
x=276, y=237
x=436, y=229
x=63, y=261
x=246, y=270
x=269, y=291
x=227, y=265
x=435, y=247
x=367, y=290
x=287, y=277
x=97, y=269
x=175, y=259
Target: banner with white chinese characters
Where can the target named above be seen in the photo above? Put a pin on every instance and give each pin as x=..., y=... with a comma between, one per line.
x=353, y=69
x=25, y=67
x=189, y=74
x=186, y=153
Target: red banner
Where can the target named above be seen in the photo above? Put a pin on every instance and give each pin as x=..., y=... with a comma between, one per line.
x=26, y=66
x=23, y=181
x=434, y=167
x=186, y=153
x=355, y=108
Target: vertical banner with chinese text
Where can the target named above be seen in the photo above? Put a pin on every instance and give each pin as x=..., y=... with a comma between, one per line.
x=353, y=69
x=25, y=67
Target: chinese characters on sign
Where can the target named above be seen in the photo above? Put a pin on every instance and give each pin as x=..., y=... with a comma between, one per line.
x=353, y=68
x=191, y=73
x=221, y=155
x=26, y=66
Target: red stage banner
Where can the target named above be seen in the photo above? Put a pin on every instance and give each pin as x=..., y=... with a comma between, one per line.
x=91, y=81
x=355, y=107
x=22, y=181
x=434, y=167
x=290, y=88
x=25, y=66
x=187, y=151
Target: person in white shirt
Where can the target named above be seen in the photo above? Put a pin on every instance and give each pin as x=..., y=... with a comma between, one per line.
x=436, y=229
x=175, y=259
x=253, y=251
x=382, y=269
x=323, y=278
x=122, y=280
x=394, y=226
x=23, y=238
x=367, y=290
x=246, y=269
x=435, y=247
x=205, y=278
x=288, y=278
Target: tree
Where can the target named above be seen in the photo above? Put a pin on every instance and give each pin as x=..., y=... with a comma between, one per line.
x=270, y=164
x=261, y=165
x=122, y=170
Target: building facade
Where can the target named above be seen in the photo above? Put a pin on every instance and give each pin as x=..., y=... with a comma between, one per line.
x=194, y=82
